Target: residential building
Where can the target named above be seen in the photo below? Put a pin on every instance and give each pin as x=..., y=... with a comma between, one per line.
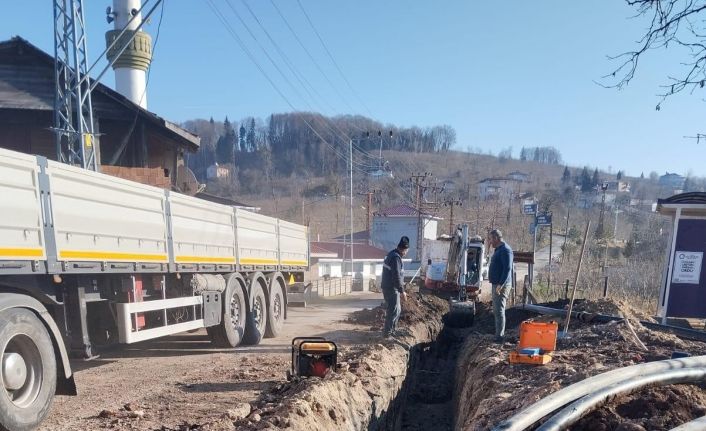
x=131, y=142
x=215, y=171
x=502, y=188
x=392, y=223
x=519, y=176
x=673, y=181
x=332, y=259
x=618, y=187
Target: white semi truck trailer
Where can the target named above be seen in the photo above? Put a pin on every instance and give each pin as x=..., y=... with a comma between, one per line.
x=88, y=259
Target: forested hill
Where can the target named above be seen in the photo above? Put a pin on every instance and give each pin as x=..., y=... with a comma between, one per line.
x=306, y=142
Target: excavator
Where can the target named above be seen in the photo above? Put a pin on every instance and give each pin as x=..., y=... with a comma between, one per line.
x=459, y=278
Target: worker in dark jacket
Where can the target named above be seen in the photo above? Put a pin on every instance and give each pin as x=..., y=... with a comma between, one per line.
x=500, y=277
x=393, y=285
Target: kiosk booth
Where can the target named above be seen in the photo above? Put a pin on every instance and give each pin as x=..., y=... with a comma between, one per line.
x=683, y=291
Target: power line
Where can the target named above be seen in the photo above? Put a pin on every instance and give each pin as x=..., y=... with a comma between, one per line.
x=311, y=57
x=333, y=60
x=287, y=80
x=252, y=58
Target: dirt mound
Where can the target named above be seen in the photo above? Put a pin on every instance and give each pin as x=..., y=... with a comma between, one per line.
x=490, y=390
x=657, y=408
x=361, y=393
x=417, y=308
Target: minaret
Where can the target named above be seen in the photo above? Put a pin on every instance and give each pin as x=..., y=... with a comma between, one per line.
x=131, y=67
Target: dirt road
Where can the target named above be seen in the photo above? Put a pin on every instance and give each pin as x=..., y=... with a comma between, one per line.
x=182, y=381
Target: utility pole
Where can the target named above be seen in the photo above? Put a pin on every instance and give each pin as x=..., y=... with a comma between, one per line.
x=73, y=110
x=451, y=204
x=368, y=220
x=418, y=180
x=600, y=230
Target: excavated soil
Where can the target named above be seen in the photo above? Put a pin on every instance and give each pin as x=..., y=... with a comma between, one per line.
x=416, y=309
x=659, y=408
x=364, y=393
x=490, y=390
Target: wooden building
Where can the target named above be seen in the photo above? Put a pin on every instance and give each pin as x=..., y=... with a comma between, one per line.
x=132, y=142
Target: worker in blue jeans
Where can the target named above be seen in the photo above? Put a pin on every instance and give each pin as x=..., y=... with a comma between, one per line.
x=500, y=277
x=392, y=285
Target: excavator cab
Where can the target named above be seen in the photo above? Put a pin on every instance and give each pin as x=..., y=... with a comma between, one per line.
x=460, y=277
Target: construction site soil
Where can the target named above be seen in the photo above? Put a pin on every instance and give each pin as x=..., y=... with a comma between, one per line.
x=490, y=390
x=432, y=377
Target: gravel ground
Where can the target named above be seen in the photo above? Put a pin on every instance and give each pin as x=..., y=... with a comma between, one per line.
x=181, y=382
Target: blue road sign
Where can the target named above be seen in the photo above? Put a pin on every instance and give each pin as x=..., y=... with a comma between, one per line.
x=529, y=209
x=543, y=219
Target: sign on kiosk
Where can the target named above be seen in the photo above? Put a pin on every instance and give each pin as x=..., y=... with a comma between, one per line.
x=687, y=267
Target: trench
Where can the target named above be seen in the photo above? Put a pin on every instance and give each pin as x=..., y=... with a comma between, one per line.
x=425, y=400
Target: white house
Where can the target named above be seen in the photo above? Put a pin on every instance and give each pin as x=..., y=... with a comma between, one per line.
x=332, y=259
x=216, y=171
x=519, y=176
x=502, y=188
x=401, y=220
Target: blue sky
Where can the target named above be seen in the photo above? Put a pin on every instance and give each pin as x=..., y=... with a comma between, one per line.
x=515, y=73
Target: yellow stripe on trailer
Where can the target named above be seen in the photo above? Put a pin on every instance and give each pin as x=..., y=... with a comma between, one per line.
x=203, y=259
x=21, y=252
x=294, y=262
x=106, y=256
x=257, y=261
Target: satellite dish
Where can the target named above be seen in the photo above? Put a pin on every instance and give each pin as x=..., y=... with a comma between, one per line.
x=186, y=181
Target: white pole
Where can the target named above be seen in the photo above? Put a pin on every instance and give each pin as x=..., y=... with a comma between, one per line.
x=350, y=153
x=672, y=252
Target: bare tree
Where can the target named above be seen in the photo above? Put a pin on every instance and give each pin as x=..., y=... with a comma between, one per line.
x=671, y=22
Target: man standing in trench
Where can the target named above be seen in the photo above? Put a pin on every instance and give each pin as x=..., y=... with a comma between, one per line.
x=500, y=277
x=393, y=285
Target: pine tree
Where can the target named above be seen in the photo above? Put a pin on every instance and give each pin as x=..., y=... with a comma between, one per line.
x=566, y=177
x=226, y=144
x=619, y=176
x=642, y=175
x=241, y=139
x=585, y=181
x=596, y=178
x=250, y=137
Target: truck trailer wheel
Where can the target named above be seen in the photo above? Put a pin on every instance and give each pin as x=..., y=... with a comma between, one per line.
x=229, y=333
x=28, y=370
x=275, y=315
x=257, y=315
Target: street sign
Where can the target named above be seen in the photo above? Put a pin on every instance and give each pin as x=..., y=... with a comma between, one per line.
x=523, y=257
x=529, y=209
x=543, y=219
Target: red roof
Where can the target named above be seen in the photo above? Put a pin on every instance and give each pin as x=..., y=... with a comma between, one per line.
x=402, y=210
x=342, y=250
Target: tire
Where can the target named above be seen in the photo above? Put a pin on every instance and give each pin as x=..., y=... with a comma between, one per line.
x=275, y=311
x=229, y=333
x=25, y=405
x=257, y=315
